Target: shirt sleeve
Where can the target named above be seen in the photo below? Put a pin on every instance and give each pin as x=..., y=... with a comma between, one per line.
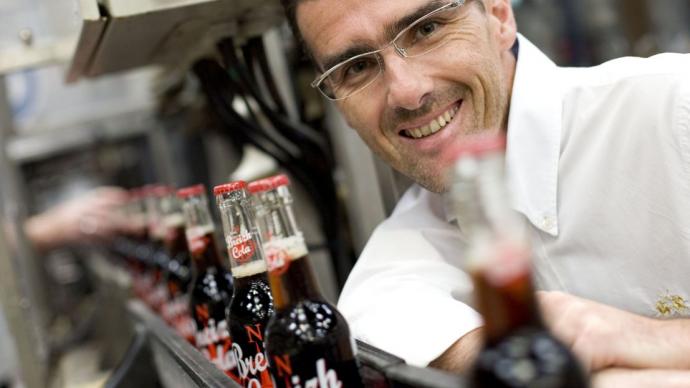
x=408, y=296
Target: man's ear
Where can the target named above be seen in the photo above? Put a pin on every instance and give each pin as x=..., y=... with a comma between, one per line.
x=502, y=12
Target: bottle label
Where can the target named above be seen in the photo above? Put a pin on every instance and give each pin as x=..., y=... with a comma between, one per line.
x=307, y=373
x=510, y=262
x=176, y=311
x=242, y=247
x=158, y=296
x=252, y=363
x=213, y=340
x=280, y=252
x=184, y=325
x=173, y=225
x=198, y=239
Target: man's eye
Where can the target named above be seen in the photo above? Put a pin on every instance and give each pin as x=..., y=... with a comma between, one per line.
x=426, y=29
x=357, y=68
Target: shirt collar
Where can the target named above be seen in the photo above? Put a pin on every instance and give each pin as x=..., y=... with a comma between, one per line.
x=534, y=137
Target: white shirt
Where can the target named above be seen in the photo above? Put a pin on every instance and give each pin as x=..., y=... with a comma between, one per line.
x=598, y=161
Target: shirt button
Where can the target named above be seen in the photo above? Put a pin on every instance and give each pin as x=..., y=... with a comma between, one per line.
x=548, y=223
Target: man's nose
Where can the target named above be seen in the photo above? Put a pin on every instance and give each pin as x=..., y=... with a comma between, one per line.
x=407, y=87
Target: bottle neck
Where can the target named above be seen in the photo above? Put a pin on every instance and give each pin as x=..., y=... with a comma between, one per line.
x=279, y=216
x=290, y=273
x=498, y=257
x=175, y=240
x=200, y=233
x=241, y=234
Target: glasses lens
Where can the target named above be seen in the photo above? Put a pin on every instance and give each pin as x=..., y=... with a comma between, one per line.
x=428, y=32
x=425, y=34
x=351, y=76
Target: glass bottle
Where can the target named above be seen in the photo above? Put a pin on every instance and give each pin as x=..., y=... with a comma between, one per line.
x=308, y=341
x=211, y=288
x=252, y=304
x=518, y=349
x=178, y=274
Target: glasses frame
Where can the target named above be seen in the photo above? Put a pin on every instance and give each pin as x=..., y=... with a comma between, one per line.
x=400, y=50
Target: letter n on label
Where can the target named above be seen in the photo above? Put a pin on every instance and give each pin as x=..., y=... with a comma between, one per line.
x=254, y=333
x=202, y=312
x=282, y=365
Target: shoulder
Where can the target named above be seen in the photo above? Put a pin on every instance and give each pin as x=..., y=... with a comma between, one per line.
x=651, y=80
x=418, y=214
x=653, y=89
x=629, y=69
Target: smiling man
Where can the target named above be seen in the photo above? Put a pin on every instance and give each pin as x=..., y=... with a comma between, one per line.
x=598, y=164
x=450, y=79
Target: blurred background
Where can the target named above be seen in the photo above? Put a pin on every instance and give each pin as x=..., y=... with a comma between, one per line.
x=128, y=93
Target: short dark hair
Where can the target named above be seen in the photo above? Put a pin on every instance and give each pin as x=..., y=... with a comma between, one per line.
x=290, y=7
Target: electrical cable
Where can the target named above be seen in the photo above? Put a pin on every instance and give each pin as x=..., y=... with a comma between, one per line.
x=312, y=167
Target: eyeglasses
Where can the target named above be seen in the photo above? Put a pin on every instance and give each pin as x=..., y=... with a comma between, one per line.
x=425, y=34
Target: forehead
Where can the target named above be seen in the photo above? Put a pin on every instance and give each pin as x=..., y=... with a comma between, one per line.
x=330, y=26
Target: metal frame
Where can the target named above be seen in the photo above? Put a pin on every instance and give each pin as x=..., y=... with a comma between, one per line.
x=20, y=269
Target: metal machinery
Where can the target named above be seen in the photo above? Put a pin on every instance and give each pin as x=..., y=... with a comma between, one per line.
x=227, y=85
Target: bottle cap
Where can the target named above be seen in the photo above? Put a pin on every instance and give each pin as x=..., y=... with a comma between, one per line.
x=229, y=187
x=162, y=190
x=136, y=193
x=191, y=191
x=279, y=180
x=259, y=186
x=269, y=183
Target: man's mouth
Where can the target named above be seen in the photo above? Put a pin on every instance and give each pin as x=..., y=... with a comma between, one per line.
x=434, y=125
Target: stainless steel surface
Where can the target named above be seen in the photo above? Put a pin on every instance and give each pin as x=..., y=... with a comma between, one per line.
x=124, y=34
x=20, y=274
x=178, y=363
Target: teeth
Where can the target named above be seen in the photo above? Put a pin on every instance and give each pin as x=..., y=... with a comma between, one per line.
x=434, y=126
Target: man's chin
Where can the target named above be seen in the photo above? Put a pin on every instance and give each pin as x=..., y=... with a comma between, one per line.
x=436, y=187
x=434, y=184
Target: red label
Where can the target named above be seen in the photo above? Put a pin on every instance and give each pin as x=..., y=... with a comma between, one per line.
x=278, y=261
x=508, y=264
x=243, y=252
x=242, y=247
x=198, y=245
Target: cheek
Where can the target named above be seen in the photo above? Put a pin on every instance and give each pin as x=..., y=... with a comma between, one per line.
x=364, y=118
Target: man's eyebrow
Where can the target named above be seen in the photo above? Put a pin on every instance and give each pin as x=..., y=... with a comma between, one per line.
x=350, y=52
x=391, y=30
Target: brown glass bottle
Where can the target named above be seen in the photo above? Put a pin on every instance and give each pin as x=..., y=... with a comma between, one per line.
x=518, y=350
x=252, y=304
x=178, y=273
x=157, y=259
x=129, y=244
x=307, y=340
x=211, y=288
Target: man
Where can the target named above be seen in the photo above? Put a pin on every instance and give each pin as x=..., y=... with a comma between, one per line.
x=598, y=163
